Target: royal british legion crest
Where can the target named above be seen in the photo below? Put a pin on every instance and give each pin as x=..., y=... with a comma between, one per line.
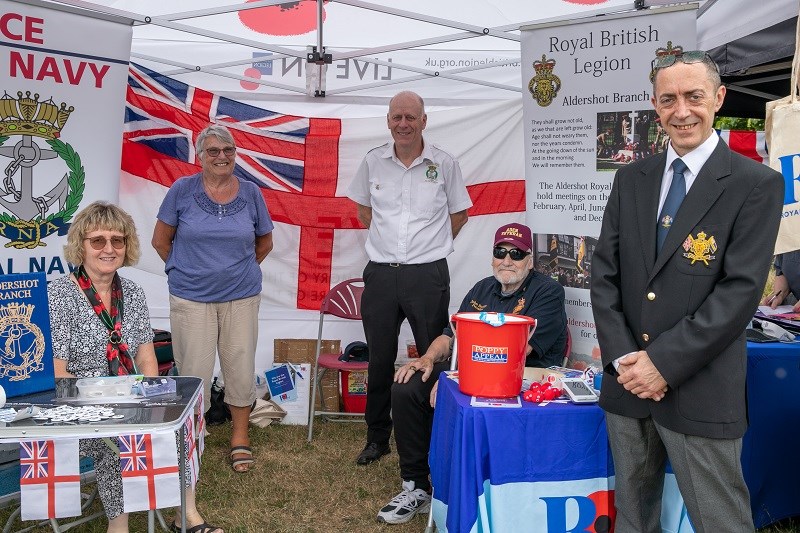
x=27, y=218
x=700, y=248
x=23, y=342
x=544, y=86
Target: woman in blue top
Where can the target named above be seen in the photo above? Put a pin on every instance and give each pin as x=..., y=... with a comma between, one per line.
x=212, y=232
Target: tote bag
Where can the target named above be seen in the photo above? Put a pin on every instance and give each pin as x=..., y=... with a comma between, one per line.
x=783, y=142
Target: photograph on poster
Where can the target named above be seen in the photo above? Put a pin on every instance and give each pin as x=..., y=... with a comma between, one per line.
x=566, y=258
x=626, y=136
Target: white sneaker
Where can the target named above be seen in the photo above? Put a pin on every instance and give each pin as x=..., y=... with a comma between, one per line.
x=405, y=505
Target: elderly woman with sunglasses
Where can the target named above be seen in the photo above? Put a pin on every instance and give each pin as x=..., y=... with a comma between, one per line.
x=213, y=231
x=100, y=326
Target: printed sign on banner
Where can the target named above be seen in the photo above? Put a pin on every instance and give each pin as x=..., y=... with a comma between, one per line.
x=61, y=110
x=27, y=362
x=587, y=113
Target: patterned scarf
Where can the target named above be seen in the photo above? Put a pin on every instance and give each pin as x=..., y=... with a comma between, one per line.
x=119, y=361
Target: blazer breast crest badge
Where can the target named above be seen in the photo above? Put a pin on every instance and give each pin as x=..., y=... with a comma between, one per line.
x=700, y=248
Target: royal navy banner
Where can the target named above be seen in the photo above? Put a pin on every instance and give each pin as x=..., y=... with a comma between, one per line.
x=63, y=77
x=26, y=357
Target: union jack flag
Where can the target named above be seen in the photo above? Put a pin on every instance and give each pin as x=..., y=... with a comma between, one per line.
x=165, y=115
x=34, y=459
x=49, y=479
x=133, y=453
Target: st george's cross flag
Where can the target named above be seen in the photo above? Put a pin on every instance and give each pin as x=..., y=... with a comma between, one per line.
x=303, y=166
x=49, y=479
x=149, y=465
x=200, y=426
x=190, y=442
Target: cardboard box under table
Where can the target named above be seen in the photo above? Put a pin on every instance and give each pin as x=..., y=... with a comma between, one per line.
x=298, y=351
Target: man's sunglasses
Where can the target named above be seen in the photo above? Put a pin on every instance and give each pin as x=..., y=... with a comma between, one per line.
x=516, y=254
x=99, y=243
x=692, y=56
x=214, y=152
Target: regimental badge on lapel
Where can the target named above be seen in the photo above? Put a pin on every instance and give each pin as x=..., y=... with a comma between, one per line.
x=700, y=248
x=432, y=174
x=666, y=222
x=477, y=306
x=519, y=306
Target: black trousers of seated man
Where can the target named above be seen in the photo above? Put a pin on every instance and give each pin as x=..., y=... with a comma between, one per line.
x=413, y=422
x=419, y=293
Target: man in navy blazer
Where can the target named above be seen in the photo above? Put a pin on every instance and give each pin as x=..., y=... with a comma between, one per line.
x=671, y=323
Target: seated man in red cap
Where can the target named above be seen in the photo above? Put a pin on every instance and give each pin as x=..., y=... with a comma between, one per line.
x=514, y=288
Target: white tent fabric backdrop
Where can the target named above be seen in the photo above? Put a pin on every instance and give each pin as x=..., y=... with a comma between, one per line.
x=476, y=115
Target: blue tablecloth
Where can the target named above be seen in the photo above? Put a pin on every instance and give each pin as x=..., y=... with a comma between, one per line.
x=771, y=445
x=495, y=469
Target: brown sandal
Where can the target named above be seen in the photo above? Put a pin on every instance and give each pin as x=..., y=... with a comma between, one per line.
x=241, y=465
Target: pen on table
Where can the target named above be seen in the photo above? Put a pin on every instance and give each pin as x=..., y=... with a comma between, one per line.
x=772, y=298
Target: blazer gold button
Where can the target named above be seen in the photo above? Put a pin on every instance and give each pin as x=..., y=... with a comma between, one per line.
x=651, y=296
x=645, y=337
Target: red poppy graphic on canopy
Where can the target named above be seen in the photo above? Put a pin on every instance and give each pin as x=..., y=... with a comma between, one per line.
x=288, y=18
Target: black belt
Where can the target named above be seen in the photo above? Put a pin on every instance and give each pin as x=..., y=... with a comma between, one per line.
x=398, y=265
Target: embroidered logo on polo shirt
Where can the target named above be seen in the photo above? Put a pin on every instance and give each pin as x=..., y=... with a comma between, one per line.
x=519, y=306
x=478, y=307
x=432, y=174
x=700, y=248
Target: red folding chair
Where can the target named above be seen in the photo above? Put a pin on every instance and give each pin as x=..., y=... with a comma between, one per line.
x=343, y=301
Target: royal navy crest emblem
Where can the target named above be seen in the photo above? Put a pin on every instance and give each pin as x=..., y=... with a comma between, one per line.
x=27, y=219
x=544, y=86
x=700, y=248
x=23, y=342
x=432, y=174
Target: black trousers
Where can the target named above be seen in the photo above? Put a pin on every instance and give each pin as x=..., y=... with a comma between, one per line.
x=413, y=422
x=419, y=293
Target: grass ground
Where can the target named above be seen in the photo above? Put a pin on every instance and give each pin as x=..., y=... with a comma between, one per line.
x=298, y=487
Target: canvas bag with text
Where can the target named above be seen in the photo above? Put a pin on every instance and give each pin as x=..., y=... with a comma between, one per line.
x=783, y=142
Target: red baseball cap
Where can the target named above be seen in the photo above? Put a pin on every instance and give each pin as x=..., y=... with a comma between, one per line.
x=517, y=234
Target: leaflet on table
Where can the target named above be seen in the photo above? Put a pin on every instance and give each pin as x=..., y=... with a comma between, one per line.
x=480, y=401
x=281, y=383
x=289, y=385
x=780, y=310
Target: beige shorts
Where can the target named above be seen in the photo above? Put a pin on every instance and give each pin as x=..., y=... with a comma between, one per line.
x=200, y=331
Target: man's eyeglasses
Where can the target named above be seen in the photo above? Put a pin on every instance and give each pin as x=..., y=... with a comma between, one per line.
x=516, y=254
x=99, y=243
x=692, y=56
x=214, y=152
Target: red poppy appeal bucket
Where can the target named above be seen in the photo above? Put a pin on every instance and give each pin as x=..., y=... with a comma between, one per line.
x=491, y=352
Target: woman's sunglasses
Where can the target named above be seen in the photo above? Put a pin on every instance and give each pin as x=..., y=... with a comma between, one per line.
x=214, y=152
x=516, y=254
x=98, y=243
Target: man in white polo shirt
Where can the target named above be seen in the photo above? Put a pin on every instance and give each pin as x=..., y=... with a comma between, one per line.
x=412, y=198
